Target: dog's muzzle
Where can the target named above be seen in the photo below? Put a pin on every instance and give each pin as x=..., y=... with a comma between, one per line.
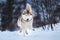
x=27, y=20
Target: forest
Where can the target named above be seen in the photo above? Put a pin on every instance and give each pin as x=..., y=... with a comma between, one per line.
x=47, y=13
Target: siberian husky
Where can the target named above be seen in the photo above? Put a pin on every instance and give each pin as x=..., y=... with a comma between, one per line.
x=25, y=21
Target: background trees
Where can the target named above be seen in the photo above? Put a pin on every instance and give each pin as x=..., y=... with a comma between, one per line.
x=47, y=11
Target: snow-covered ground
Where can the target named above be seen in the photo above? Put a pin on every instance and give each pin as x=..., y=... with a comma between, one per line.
x=38, y=34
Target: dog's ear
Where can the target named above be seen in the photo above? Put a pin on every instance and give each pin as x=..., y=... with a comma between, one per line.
x=28, y=8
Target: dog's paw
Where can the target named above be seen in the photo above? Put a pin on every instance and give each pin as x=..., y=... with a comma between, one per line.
x=20, y=31
x=26, y=33
x=33, y=29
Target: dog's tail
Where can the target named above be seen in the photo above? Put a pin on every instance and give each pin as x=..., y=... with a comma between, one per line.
x=28, y=7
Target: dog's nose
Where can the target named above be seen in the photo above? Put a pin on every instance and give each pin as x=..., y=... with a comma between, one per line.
x=27, y=19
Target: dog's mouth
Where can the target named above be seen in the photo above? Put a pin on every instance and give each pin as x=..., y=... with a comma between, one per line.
x=27, y=20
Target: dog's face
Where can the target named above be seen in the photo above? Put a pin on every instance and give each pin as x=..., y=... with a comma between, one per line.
x=27, y=16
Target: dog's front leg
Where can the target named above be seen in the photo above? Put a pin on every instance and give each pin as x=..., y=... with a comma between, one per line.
x=24, y=32
x=19, y=24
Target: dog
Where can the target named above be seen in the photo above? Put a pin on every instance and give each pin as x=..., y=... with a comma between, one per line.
x=25, y=21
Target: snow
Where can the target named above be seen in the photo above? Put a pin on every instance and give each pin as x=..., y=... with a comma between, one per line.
x=38, y=34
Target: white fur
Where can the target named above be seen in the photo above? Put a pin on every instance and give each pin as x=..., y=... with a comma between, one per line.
x=26, y=26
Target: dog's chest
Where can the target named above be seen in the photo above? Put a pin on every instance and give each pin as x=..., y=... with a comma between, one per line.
x=24, y=23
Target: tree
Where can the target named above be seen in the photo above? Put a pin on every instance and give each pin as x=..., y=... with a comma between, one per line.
x=7, y=14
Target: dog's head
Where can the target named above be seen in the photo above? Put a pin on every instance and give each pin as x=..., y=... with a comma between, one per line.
x=27, y=14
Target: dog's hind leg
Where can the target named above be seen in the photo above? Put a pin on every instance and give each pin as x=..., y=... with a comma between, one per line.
x=31, y=28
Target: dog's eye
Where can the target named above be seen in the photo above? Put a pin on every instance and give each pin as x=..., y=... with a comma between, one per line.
x=30, y=14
